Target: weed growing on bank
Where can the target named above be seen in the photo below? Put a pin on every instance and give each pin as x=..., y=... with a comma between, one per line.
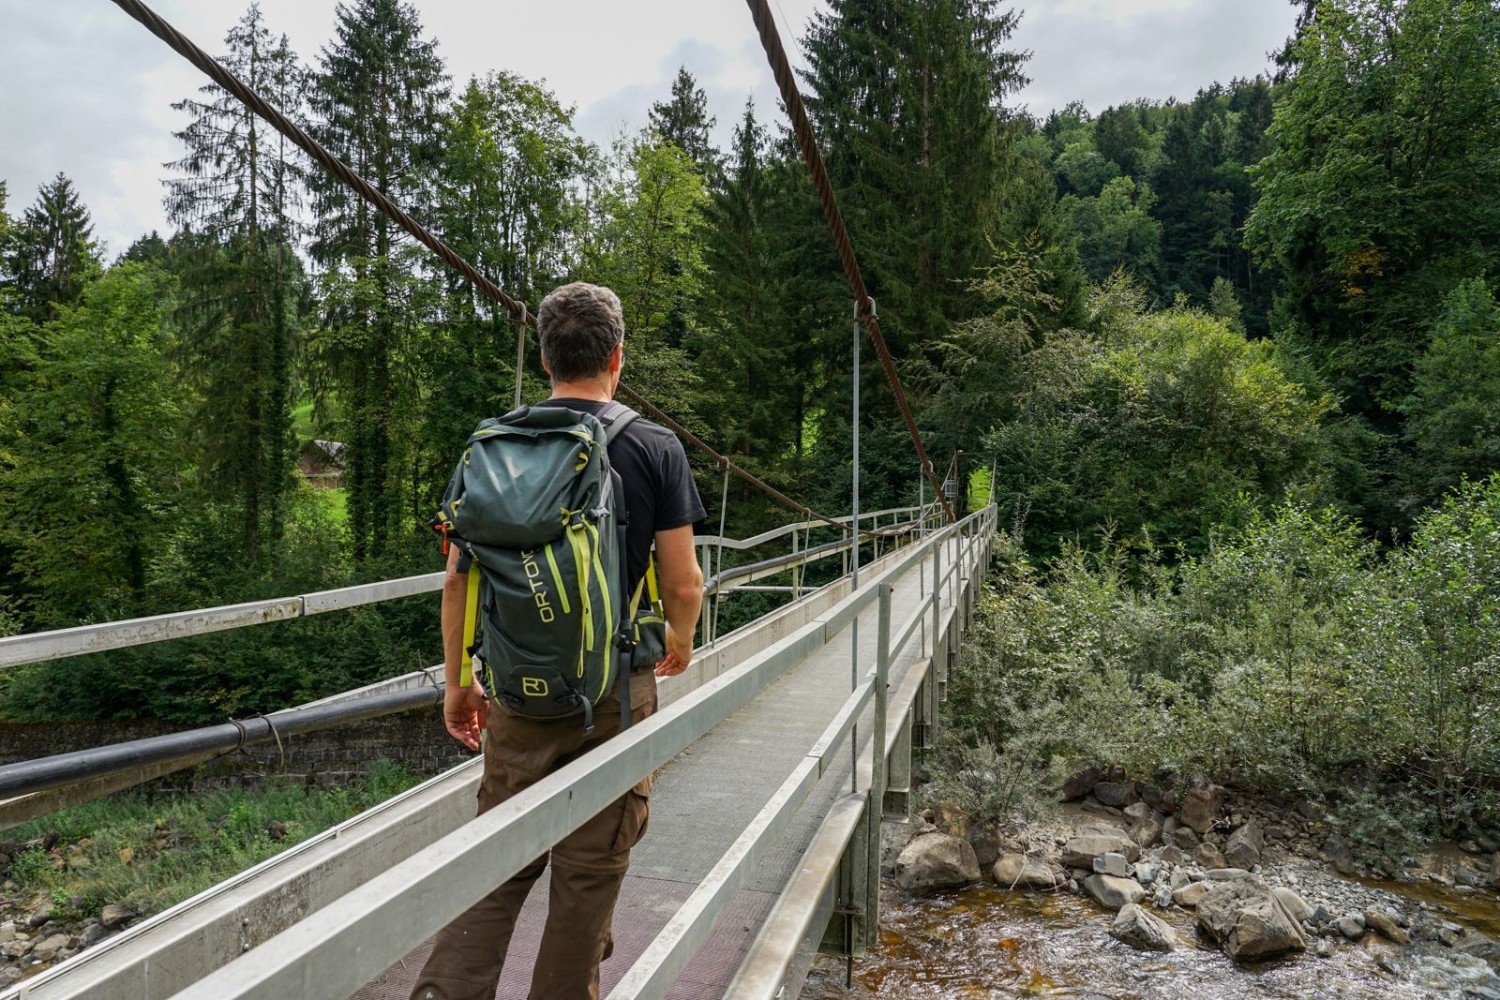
x=150, y=852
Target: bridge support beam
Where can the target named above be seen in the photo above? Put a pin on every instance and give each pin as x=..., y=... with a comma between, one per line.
x=897, y=799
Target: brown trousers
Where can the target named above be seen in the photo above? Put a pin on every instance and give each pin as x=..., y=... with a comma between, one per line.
x=588, y=865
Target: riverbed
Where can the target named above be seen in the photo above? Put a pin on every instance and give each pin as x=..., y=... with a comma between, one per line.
x=986, y=942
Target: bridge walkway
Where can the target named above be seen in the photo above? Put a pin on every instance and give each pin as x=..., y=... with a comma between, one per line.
x=707, y=795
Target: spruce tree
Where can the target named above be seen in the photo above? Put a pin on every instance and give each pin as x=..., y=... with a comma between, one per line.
x=377, y=101
x=50, y=255
x=684, y=121
x=237, y=192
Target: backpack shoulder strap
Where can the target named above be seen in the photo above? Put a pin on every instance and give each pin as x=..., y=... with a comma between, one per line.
x=616, y=417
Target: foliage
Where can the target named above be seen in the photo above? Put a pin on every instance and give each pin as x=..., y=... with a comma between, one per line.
x=49, y=254
x=684, y=121
x=151, y=852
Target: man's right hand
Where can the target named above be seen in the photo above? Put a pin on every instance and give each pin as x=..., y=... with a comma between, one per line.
x=465, y=712
x=679, y=654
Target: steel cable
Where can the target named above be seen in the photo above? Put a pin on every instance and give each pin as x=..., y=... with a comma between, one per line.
x=216, y=71
x=786, y=82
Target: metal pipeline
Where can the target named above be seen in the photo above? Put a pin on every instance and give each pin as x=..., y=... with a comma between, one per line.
x=191, y=747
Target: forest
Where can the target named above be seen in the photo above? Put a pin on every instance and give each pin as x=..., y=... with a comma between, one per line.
x=1233, y=359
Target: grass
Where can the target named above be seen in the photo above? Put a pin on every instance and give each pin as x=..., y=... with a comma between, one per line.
x=150, y=853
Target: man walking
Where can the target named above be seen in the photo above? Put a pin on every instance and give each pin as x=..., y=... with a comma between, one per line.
x=582, y=332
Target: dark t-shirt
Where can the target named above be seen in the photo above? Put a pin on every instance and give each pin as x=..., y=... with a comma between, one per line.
x=659, y=490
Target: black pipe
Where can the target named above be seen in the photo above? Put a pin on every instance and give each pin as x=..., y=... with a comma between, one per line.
x=65, y=769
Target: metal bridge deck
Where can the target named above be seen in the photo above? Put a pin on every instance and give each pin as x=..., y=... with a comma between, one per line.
x=703, y=799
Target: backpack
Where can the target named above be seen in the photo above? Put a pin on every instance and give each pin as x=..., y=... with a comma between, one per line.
x=539, y=516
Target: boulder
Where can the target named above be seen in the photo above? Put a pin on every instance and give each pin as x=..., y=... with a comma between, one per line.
x=1172, y=855
x=950, y=819
x=1385, y=925
x=1157, y=798
x=1351, y=925
x=9, y=974
x=1300, y=910
x=985, y=839
x=47, y=950
x=40, y=915
x=115, y=915
x=1138, y=811
x=1245, y=845
x=1091, y=841
x=1189, y=895
x=1248, y=921
x=1142, y=929
x=932, y=861
x=93, y=934
x=1081, y=783
x=1208, y=856
x=1017, y=871
x=7, y=931
x=1113, y=893
x=1337, y=852
x=1146, y=832
x=1145, y=872
x=1226, y=874
x=1113, y=864
x=1115, y=793
x=1185, y=838
x=895, y=834
x=1201, y=807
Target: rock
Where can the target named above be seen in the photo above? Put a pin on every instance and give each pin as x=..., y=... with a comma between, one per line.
x=895, y=834
x=1179, y=879
x=1468, y=876
x=40, y=915
x=1159, y=799
x=1337, y=852
x=1294, y=904
x=1351, y=925
x=1142, y=929
x=114, y=915
x=1185, y=838
x=7, y=931
x=1137, y=811
x=1323, y=948
x=1201, y=807
x=47, y=950
x=1208, y=856
x=1112, y=864
x=8, y=975
x=15, y=949
x=1017, y=871
x=276, y=830
x=1385, y=925
x=1081, y=783
x=950, y=819
x=1115, y=793
x=932, y=861
x=1113, y=893
x=1191, y=894
x=1226, y=874
x=93, y=934
x=1245, y=845
x=1146, y=872
x=1091, y=841
x=1248, y=922
x=1147, y=832
x=1172, y=855
x=985, y=839
x=1163, y=897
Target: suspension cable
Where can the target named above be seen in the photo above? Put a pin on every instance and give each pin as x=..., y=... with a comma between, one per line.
x=770, y=40
x=220, y=75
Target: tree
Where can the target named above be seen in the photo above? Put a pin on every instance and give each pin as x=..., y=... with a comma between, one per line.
x=1370, y=199
x=92, y=475
x=684, y=121
x=51, y=256
x=1115, y=230
x=237, y=193
x=1453, y=425
x=377, y=102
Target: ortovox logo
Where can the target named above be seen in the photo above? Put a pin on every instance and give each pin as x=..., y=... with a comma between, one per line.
x=538, y=588
x=533, y=687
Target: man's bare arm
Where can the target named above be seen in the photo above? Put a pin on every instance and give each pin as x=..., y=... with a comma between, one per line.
x=465, y=710
x=681, y=582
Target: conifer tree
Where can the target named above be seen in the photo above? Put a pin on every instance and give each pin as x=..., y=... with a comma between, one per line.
x=377, y=101
x=237, y=192
x=684, y=121
x=50, y=255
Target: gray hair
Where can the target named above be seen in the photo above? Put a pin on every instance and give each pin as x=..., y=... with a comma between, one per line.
x=579, y=326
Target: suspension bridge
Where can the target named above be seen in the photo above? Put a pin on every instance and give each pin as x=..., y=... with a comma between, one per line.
x=776, y=755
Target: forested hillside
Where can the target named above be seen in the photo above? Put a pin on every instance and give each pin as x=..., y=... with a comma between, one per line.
x=1162, y=322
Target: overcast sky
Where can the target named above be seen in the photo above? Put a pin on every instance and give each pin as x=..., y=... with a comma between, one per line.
x=87, y=91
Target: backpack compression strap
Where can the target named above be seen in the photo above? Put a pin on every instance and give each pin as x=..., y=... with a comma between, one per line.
x=471, y=620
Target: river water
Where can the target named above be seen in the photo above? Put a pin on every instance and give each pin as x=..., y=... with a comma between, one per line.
x=986, y=942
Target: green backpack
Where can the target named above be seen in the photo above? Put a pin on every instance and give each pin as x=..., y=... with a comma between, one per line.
x=540, y=517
